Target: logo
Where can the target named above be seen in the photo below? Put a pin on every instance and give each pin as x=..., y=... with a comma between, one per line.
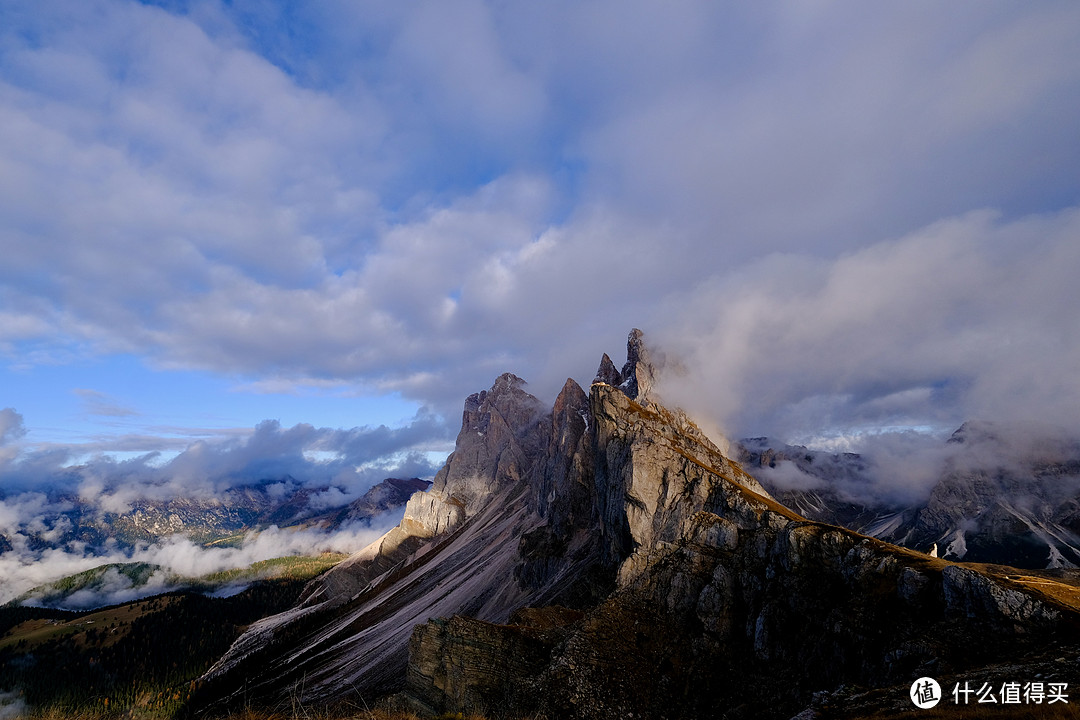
x=925, y=693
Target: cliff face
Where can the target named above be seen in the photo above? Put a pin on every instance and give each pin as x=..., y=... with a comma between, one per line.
x=507, y=523
x=605, y=559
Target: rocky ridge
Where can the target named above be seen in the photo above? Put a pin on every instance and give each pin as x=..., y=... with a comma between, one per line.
x=604, y=559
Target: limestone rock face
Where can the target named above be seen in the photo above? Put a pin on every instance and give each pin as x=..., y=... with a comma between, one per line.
x=463, y=662
x=975, y=596
x=496, y=444
x=638, y=373
x=654, y=471
x=507, y=523
x=562, y=550
x=607, y=373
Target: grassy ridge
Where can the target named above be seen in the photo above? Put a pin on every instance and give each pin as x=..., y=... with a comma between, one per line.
x=289, y=568
x=55, y=594
x=140, y=656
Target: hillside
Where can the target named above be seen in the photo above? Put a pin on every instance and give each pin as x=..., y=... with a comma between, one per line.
x=142, y=656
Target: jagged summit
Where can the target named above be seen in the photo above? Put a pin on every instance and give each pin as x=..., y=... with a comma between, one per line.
x=638, y=374
x=607, y=372
x=977, y=431
x=603, y=559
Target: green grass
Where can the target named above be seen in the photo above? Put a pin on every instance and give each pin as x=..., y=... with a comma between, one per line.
x=293, y=568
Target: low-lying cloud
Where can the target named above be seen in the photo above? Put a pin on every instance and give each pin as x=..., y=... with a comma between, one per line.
x=25, y=568
x=970, y=318
x=322, y=468
x=899, y=469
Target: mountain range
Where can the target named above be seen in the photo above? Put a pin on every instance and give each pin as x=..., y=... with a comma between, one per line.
x=68, y=517
x=603, y=558
x=193, y=537
x=998, y=498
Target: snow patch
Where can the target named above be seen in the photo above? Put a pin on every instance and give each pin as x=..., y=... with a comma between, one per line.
x=957, y=546
x=1052, y=539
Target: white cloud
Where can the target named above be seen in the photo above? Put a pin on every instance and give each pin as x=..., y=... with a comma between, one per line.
x=24, y=569
x=420, y=197
x=454, y=54
x=11, y=429
x=787, y=476
x=970, y=317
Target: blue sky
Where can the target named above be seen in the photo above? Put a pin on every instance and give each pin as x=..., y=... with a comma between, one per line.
x=129, y=400
x=834, y=217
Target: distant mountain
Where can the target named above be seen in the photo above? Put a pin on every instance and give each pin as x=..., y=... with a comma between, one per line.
x=389, y=495
x=820, y=486
x=1005, y=495
x=283, y=502
x=603, y=559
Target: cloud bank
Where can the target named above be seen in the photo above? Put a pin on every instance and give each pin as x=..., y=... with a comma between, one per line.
x=318, y=468
x=25, y=568
x=971, y=317
x=350, y=459
x=835, y=216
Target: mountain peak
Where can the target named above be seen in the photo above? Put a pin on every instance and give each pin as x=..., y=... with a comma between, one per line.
x=607, y=372
x=653, y=563
x=638, y=372
x=976, y=431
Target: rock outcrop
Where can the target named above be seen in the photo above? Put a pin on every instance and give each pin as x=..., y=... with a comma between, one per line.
x=606, y=560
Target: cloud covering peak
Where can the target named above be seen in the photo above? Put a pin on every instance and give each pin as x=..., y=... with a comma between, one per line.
x=967, y=318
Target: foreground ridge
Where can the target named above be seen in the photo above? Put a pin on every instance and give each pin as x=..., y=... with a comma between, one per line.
x=604, y=559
